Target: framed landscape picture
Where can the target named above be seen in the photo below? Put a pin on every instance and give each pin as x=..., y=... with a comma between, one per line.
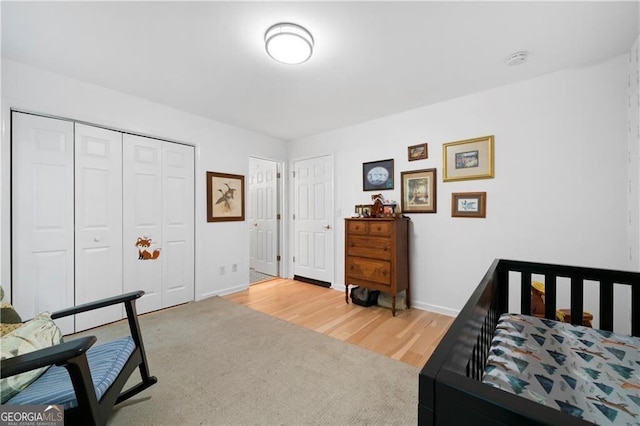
x=469, y=204
x=468, y=159
x=225, y=197
x=418, y=194
x=377, y=175
x=418, y=152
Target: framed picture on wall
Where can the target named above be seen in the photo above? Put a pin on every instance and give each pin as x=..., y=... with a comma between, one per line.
x=377, y=175
x=469, y=204
x=225, y=197
x=418, y=152
x=468, y=159
x=418, y=194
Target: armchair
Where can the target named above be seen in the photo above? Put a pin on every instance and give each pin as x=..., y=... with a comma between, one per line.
x=86, y=380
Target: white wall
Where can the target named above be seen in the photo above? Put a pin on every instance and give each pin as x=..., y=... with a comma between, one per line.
x=560, y=189
x=633, y=135
x=219, y=147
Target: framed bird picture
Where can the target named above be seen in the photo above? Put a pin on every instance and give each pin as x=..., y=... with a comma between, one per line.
x=225, y=197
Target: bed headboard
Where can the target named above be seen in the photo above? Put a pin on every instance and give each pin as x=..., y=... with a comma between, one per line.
x=450, y=391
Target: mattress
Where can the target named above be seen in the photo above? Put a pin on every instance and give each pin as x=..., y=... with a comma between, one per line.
x=588, y=373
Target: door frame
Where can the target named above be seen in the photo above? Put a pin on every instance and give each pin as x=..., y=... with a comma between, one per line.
x=280, y=206
x=291, y=210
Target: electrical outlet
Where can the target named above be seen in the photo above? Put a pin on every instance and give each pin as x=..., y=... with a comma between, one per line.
x=222, y=270
x=234, y=267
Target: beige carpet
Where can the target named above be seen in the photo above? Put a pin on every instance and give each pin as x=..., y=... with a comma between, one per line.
x=219, y=363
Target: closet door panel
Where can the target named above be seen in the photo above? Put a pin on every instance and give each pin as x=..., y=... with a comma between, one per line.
x=98, y=195
x=42, y=216
x=143, y=255
x=178, y=224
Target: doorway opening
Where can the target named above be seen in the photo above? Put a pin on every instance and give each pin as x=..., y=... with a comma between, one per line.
x=264, y=219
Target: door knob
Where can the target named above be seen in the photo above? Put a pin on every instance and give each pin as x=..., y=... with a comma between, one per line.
x=96, y=239
x=327, y=227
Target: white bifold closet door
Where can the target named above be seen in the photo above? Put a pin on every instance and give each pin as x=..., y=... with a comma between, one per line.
x=158, y=222
x=42, y=216
x=98, y=211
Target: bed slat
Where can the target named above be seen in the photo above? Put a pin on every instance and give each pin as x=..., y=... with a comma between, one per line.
x=577, y=305
x=550, y=296
x=525, y=288
x=606, y=305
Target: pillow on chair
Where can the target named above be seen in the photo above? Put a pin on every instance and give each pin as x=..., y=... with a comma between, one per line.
x=38, y=333
x=9, y=318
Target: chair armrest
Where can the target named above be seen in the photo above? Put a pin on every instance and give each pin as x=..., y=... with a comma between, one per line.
x=57, y=354
x=98, y=304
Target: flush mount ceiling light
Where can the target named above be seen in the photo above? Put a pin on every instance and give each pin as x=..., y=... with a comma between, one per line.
x=288, y=43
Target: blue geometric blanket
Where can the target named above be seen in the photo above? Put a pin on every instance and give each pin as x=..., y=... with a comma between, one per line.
x=588, y=373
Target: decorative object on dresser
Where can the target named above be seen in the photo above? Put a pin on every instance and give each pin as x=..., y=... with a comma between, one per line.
x=469, y=204
x=377, y=256
x=377, y=175
x=418, y=152
x=468, y=159
x=419, y=191
x=377, y=209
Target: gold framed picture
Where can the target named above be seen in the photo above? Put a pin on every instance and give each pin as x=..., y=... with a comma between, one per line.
x=469, y=204
x=468, y=159
x=418, y=194
x=225, y=197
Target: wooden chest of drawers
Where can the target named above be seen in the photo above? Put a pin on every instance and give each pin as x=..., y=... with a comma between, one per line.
x=377, y=256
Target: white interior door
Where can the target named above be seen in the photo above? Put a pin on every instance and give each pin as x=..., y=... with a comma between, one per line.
x=142, y=219
x=98, y=211
x=263, y=215
x=42, y=214
x=313, y=224
x=177, y=224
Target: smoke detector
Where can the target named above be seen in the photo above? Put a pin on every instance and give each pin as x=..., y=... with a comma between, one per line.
x=517, y=58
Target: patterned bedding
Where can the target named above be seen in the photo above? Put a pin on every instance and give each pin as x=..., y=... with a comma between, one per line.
x=588, y=373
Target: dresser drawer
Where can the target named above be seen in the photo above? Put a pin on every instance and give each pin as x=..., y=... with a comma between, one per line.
x=378, y=271
x=359, y=227
x=380, y=228
x=372, y=247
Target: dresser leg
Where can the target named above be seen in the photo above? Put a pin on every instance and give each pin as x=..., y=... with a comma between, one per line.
x=393, y=305
x=346, y=294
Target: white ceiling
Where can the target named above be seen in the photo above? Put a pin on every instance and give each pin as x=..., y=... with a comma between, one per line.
x=371, y=59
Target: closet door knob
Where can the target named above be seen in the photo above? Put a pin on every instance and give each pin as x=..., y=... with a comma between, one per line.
x=96, y=239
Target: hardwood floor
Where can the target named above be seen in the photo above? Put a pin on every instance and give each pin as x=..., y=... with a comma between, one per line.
x=410, y=336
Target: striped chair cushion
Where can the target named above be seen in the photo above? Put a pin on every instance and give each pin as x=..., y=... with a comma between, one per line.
x=55, y=387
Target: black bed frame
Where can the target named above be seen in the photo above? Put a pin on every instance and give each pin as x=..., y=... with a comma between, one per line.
x=450, y=390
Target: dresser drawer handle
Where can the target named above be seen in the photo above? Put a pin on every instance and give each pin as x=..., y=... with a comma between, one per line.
x=379, y=228
x=384, y=248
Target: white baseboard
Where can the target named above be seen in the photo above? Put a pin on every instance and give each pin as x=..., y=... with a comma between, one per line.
x=434, y=308
x=222, y=292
